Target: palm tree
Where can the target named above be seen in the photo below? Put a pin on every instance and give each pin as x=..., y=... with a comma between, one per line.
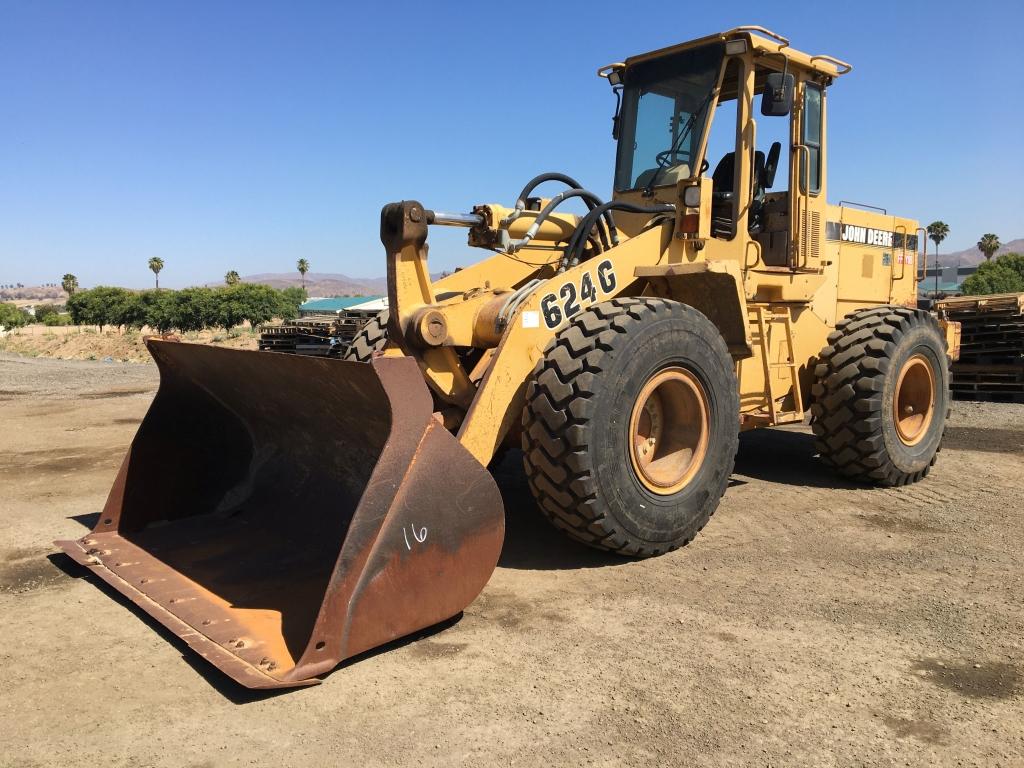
x=155, y=265
x=937, y=232
x=69, y=283
x=303, y=266
x=232, y=278
x=988, y=245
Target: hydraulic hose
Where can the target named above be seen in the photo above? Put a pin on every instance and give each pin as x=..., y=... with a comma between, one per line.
x=569, y=181
x=576, y=244
x=608, y=238
x=536, y=181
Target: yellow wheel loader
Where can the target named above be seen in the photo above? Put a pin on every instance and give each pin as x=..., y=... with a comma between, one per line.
x=281, y=514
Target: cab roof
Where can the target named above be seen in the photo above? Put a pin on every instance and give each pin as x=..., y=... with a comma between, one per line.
x=759, y=39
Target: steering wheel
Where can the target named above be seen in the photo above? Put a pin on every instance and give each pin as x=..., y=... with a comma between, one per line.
x=662, y=158
x=671, y=157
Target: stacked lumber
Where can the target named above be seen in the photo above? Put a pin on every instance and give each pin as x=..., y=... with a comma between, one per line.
x=317, y=335
x=991, y=364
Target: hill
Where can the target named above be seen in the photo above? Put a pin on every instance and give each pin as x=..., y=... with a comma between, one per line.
x=33, y=294
x=972, y=256
x=320, y=283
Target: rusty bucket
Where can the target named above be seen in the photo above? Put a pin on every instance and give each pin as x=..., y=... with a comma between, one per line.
x=282, y=513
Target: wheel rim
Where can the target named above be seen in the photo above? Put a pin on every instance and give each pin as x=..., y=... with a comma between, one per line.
x=668, y=431
x=913, y=402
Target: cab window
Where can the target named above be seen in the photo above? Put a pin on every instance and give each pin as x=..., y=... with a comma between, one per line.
x=812, y=134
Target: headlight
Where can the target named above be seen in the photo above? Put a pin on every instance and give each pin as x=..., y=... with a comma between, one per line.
x=691, y=197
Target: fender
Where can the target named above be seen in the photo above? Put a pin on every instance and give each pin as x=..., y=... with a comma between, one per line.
x=713, y=287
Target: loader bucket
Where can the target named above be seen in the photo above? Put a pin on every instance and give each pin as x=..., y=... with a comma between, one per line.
x=282, y=513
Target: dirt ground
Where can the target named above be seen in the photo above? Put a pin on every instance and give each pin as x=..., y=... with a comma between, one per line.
x=72, y=342
x=812, y=623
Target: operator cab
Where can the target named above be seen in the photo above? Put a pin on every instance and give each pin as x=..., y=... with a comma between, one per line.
x=689, y=111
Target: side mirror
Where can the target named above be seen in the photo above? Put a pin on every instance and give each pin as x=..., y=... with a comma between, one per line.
x=777, y=97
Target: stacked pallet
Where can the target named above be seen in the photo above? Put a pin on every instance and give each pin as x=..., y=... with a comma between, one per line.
x=317, y=335
x=991, y=364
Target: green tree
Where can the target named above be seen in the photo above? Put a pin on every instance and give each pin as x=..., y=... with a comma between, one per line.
x=155, y=265
x=45, y=310
x=1004, y=274
x=290, y=300
x=159, y=310
x=195, y=309
x=129, y=311
x=12, y=317
x=77, y=307
x=246, y=302
x=69, y=283
x=232, y=278
x=989, y=244
x=937, y=232
x=102, y=306
x=303, y=267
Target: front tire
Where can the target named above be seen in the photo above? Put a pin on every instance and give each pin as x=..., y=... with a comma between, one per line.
x=372, y=337
x=881, y=398
x=631, y=426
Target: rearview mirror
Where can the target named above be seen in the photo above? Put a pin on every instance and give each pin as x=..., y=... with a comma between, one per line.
x=777, y=96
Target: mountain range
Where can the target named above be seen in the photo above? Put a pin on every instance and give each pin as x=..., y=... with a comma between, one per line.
x=321, y=283
x=970, y=257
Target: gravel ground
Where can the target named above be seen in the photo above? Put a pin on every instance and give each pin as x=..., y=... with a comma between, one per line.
x=812, y=623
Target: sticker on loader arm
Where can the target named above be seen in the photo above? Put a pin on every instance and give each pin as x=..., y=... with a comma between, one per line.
x=572, y=297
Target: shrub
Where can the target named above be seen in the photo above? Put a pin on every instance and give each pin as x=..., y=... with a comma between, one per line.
x=44, y=311
x=1004, y=274
x=12, y=317
x=57, y=318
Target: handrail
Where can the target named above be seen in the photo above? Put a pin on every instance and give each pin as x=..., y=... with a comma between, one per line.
x=922, y=268
x=607, y=69
x=900, y=229
x=842, y=67
x=757, y=254
x=843, y=203
x=804, y=177
x=754, y=28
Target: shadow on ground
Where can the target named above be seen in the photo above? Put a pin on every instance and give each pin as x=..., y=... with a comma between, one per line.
x=224, y=685
x=531, y=542
x=786, y=457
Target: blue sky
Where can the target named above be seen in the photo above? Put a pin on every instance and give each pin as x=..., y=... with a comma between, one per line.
x=247, y=135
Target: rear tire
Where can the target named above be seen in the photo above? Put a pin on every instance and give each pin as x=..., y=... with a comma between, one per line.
x=371, y=338
x=881, y=398
x=581, y=440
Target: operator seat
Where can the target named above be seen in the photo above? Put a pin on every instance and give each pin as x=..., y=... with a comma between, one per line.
x=722, y=224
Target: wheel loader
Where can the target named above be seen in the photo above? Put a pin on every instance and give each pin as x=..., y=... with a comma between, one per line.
x=281, y=514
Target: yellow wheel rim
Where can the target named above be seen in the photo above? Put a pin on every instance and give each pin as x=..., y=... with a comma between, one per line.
x=668, y=431
x=913, y=401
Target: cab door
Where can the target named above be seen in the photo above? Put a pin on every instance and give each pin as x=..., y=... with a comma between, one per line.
x=808, y=202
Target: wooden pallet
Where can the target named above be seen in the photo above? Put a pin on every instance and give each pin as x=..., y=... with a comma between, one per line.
x=320, y=336
x=1012, y=303
x=991, y=363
